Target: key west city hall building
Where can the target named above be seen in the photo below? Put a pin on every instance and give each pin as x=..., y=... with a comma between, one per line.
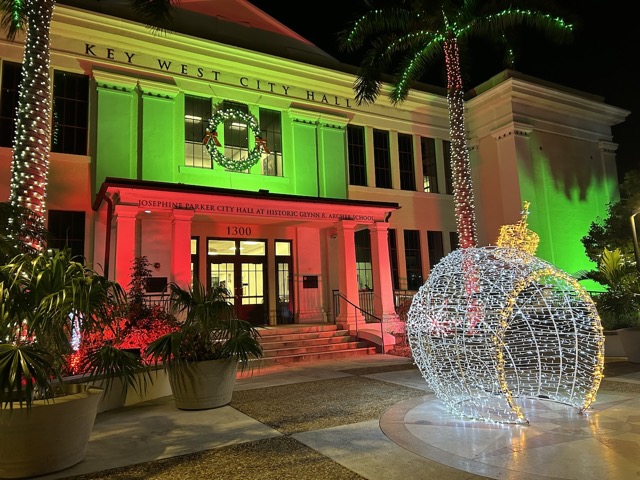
x=306, y=194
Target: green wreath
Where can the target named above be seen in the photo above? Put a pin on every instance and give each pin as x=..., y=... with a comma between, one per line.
x=212, y=143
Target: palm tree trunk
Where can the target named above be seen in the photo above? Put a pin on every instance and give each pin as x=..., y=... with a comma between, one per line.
x=460, y=164
x=32, y=143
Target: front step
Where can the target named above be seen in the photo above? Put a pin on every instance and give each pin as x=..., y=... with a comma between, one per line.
x=307, y=343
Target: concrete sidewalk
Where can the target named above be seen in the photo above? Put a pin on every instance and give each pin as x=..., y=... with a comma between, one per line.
x=326, y=430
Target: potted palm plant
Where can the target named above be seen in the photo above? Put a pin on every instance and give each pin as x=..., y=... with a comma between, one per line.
x=619, y=305
x=203, y=356
x=48, y=300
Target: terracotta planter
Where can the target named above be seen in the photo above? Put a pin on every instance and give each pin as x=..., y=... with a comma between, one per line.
x=203, y=385
x=630, y=338
x=52, y=436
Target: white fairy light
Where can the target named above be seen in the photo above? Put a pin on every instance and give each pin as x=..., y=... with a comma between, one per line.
x=525, y=330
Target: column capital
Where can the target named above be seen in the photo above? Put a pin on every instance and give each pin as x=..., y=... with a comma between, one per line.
x=178, y=215
x=126, y=211
x=379, y=227
x=346, y=225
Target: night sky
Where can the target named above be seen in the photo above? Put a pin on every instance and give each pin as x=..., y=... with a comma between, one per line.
x=595, y=62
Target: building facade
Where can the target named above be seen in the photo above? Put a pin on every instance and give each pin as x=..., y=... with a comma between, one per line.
x=302, y=196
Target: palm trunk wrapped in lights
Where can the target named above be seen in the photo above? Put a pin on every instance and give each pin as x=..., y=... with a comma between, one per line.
x=30, y=163
x=461, y=167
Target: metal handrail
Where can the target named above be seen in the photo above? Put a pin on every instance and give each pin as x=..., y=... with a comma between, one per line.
x=336, y=310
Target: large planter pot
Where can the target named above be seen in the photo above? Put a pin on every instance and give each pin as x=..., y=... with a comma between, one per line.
x=157, y=386
x=630, y=338
x=613, y=345
x=203, y=385
x=52, y=436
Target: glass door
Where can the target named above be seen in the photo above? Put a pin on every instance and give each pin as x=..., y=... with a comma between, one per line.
x=284, y=286
x=239, y=266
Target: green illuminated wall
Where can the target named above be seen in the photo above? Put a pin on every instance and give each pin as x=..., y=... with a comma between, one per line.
x=141, y=136
x=568, y=190
x=158, y=137
x=116, y=150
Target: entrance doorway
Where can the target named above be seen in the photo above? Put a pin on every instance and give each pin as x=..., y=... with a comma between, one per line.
x=240, y=267
x=284, y=282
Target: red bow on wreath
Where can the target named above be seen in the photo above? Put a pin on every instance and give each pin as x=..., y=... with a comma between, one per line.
x=209, y=136
x=262, y=143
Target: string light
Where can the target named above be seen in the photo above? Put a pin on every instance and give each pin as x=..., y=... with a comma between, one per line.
x=518, y=235
x=212, y=143
x=32, y=140
x=529, y=330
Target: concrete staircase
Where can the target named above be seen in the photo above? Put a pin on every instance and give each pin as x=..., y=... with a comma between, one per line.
x=306, y=343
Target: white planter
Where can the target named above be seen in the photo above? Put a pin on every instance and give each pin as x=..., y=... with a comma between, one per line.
x=158, y=386
x=630, y=338
x=52, y=436
x=613, y=345
x=203, y=385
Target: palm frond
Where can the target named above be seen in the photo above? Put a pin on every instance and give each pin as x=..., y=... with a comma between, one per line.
x=109, y=363
x=26, y=373
x=157, y=14
x=14, y=17
x=412, y=68
x=555, y=28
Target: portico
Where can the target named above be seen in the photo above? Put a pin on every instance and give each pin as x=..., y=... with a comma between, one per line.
x=276, y=253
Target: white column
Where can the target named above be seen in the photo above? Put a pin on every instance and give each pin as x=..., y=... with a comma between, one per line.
x=383, y=285
x=125, y=218
x=181, y=247
x=348, y=279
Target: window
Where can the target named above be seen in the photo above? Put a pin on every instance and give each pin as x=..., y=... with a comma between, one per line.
x=236, y=133
x=363, y=260
x=66, y=230
x=382, y=158
x=271, y=131
x=448, y=177
x=405, y=157
x=393, y=259
x=9, y=102
x=357, y=155
x=197, y=113
x=70, y=113
x=454, y=241
x=436, y=248
x=195, y=259
x=429, y=168
x=413, y=259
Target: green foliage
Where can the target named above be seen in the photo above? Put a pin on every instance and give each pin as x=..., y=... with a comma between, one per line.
x=619, y=305
x=404, y=39
x=614, y=231
x=45, y=300
x=209, y=330
x=140, y=272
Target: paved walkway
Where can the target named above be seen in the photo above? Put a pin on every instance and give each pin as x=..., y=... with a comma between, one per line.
x=415, y=438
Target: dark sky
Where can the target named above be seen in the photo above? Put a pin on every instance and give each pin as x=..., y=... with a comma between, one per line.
x=599, y=60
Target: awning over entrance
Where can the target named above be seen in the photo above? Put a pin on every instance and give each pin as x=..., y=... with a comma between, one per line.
x=262, y=207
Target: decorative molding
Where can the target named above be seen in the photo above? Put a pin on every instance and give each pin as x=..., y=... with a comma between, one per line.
x=114, y=81
x=299, y=115
x=158, y=89
x=607, y=147
x=513, y=129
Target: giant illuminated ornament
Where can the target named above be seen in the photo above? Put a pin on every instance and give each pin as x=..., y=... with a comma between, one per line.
x=494, y=326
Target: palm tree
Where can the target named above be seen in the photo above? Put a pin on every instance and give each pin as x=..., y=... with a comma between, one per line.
x=32, y=140
x=408, y=36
